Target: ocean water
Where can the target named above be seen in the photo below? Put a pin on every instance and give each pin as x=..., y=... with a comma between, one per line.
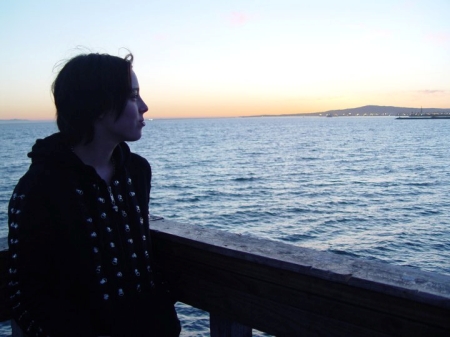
x=370, y=187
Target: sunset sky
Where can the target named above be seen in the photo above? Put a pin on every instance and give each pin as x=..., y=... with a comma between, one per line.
x=203, y=58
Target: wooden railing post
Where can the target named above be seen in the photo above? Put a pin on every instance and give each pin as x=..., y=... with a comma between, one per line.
x=16, y=330
x=223, y=327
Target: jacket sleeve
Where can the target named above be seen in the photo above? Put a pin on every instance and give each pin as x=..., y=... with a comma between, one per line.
x=33, y=274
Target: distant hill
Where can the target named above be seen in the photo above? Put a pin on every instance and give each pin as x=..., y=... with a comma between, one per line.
x=371, y=110
x=14, y=120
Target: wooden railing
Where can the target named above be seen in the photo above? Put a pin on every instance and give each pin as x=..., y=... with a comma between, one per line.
x=246, y=282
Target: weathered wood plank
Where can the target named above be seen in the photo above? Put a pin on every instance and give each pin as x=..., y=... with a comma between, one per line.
x=399, y=281
x=224, y=327
x=291, y=288
x=277, y=308
x=270, y=316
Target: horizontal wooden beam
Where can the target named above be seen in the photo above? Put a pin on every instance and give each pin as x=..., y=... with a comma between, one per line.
x=287, y=290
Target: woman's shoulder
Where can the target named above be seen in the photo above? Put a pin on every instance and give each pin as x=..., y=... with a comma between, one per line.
x=36, y=176
x=141, y=174
x=129, y=159
x=137, y=160
x=36, y=186
x=139, y=169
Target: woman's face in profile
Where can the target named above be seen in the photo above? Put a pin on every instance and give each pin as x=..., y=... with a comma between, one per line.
x=128, y=127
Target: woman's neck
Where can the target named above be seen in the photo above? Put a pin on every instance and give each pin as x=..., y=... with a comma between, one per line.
x=99, y=156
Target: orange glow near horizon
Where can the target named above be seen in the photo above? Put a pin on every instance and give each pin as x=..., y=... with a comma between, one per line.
x=214, y=106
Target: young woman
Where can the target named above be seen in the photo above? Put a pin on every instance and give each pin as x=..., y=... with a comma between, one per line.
x=79, y=241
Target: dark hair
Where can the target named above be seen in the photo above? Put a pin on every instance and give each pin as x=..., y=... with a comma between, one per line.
x=88, y=86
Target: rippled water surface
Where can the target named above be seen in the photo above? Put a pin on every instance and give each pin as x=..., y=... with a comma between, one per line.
x=369, y=187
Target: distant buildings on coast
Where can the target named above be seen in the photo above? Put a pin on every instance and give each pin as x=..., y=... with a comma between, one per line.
x=349, y=114
x=371, y=110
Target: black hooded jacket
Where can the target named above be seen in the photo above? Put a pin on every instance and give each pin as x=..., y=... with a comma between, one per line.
x=80, y=251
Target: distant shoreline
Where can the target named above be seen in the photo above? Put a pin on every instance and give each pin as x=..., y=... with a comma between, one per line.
x=368, y=111
x=25, y=120
x=363, y=111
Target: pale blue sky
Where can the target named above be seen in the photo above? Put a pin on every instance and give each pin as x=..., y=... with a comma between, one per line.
x=223, y=58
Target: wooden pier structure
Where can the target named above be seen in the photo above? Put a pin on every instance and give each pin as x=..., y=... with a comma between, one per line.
x=249, y=283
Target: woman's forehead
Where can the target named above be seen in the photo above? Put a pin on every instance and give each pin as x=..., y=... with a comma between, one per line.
x=134, y=80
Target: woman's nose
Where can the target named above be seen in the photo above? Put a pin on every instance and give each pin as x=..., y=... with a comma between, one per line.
x=143, y=108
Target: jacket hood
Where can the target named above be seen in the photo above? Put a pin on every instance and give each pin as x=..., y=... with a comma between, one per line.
x=57, y=149
x=49, y=147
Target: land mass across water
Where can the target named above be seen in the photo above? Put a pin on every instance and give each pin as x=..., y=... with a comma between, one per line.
x=368, y=110
x=18, y=120
x=363, y=111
